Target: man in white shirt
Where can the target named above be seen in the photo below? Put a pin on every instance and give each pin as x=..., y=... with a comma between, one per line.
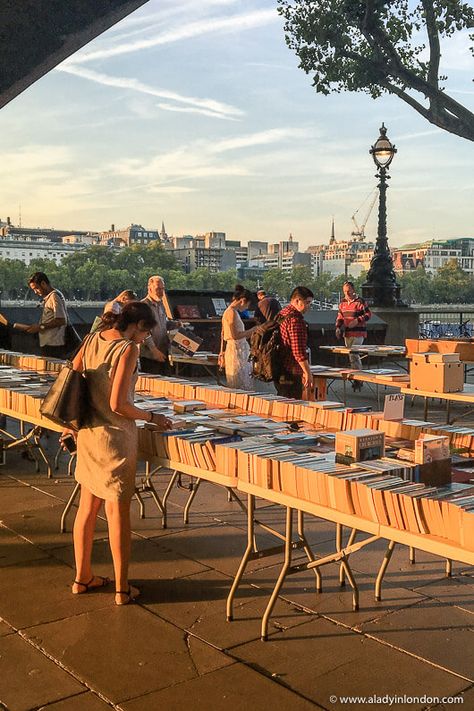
x=154, y=351
x=52, y=324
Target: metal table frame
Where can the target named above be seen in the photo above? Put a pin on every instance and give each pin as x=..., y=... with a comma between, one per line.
x=431, y=544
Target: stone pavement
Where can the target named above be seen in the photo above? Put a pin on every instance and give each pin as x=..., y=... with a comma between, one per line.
x=174, y=650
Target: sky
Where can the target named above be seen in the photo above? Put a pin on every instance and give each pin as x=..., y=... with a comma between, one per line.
x=196, y=114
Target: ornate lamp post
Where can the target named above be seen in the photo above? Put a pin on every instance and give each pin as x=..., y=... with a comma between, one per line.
x=381, y=288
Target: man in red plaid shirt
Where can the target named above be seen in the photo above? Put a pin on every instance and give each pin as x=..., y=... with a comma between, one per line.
x=294, y=336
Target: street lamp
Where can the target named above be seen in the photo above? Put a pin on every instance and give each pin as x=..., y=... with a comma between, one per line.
x=381, y=288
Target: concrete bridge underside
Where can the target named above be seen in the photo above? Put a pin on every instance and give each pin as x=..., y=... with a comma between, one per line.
x=37, y=35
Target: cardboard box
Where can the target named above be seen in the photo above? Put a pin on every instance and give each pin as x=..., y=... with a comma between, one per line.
x=436, y=377
x=359, y=445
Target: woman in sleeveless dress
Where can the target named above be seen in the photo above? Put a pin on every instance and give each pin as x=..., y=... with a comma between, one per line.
x=107, y=443
x=235, y=350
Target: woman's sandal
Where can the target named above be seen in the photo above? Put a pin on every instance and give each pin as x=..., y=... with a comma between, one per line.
x=88, y=586
x=129, y=594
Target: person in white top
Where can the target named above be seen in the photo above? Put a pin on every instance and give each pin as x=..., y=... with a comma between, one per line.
x=52, y=324
x=117, y=304
x=235, y=351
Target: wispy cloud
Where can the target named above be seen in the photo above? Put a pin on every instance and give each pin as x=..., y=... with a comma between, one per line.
x=234, y=23
x=418, y=134
x=261, y=138
x=213, y=108
x=149, y=20
x=190, y=110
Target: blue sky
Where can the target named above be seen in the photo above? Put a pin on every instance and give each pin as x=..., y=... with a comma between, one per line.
x=197, y=114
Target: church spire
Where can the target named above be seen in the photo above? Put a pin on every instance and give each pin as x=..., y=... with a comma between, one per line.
x=163, y=235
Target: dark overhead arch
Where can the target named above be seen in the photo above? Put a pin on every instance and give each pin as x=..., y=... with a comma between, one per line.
x=36, y=35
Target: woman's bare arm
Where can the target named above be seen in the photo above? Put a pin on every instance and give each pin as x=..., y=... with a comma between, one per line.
x=119, y=394
x=238, y=335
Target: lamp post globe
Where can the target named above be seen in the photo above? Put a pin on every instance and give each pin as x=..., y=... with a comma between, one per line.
x=381, y=288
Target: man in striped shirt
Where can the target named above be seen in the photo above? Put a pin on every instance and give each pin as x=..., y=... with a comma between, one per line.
x=351, y=323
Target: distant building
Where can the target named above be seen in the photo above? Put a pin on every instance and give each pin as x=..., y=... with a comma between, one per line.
x=28, y=250
x=128, y=236
x=214, y=259
x=21, y=234
x=346, y=257
x=434, y=254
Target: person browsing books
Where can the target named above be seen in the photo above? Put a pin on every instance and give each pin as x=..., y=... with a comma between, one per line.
x=235, y=351
x=107, y=444
x=296, y=373
x=51, y=328
x=351, y=324
x=154, y=350
x=117, y=304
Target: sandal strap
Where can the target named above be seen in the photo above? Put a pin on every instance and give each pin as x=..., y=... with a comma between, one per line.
x=84, y=585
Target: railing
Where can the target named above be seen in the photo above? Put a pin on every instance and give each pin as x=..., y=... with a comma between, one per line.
x=447, y=322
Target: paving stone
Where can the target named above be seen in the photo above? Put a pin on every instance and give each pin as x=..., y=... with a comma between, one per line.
x=150, y=560
x=5, y=629
x=28, y=678
x=205, y=657
x=41, y=526
x=457, y=591
x=151, y=525
x=320, y=660
x=86, y=701
x=21, y=498
x=14, y=549
x=336, y=602
x=41, y=591
x=235, y=688
x=124, y=651
x=220, y=546
x=440, y=633
x=467, y=701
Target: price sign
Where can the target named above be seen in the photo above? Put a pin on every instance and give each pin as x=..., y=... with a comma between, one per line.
x=394, y=407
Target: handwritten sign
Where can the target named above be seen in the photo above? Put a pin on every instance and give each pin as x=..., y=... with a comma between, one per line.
x=394, y=407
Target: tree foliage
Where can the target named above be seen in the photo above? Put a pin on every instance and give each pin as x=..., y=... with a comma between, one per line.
x=378, y=46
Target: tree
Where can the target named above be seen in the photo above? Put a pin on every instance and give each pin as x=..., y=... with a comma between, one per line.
x=276, y=282
x=417, y=286
x=372, y=46
x=452, y=285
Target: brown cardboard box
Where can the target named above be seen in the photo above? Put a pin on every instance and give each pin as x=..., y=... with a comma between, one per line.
x=359, y=445
x=436, y=377
x=465, y=349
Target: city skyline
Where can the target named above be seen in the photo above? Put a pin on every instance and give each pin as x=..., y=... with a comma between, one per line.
x=199, y=116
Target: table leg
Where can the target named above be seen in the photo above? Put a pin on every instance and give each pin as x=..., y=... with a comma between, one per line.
x=190, y=500
x=282, y=576
x=68, y=506
x=307, y=550
x=245, y=558
x=383, y=568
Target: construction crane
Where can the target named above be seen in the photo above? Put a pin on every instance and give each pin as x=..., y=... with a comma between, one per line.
x=359, y=233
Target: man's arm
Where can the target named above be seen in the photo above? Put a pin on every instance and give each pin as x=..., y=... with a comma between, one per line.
x=41, y=327
x=298, y=337
x=155, y=352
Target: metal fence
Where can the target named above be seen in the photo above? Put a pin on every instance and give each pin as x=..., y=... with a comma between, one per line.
x=439, y=323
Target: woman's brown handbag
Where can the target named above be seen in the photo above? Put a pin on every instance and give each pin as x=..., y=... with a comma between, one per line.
x=67, y=401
